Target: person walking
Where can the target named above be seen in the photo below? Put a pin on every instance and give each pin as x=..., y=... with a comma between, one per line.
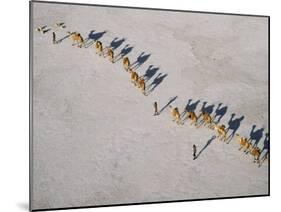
x=155, y=109
x=194, y=148
x=54, y=38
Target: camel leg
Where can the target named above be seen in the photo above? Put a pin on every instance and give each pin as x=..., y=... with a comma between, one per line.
x=225, y=138
x=179, y=122
x=144, y=93
x=74, y=43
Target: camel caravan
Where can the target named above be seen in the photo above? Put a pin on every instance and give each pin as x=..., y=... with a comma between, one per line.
x=246, y=145
x=221, y=131
x=204, y=118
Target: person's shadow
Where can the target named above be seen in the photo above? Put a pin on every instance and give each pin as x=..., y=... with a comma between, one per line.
x=126, y=50
x=190, y=107
x=157, y=81
x=233, y=125
x=219, y=112
x=115, y=43
x=256, y=135
x=150, y=72
x=93, y=37
x=170, y=102
x=140, y=60
x=206, y=145
x=60, y=40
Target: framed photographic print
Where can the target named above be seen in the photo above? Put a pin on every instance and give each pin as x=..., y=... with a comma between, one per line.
x=144, y=105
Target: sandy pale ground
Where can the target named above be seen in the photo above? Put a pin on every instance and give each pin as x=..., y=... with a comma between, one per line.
x=95, y=139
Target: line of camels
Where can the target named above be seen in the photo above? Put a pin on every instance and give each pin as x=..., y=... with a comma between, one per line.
x=204, y=118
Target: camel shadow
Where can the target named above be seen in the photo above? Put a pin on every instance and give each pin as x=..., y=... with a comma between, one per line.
x=233, y=125
x=126, y=50
x=115, y=43
x=190, y=107
x=208, y=109
x=206, y=145
x=170, y=102
x=256, y=135
x=265, y=150
x=46, y=30
x=156, y=82
x=219, y=113
x=265, y=143
x=140, y=60
x=93, y=37
x=150, y=72
x=96, y=36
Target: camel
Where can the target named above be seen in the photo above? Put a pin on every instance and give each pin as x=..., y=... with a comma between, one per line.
x=175, y=114
x=244, y=143
x=42, y=29
x=193, y=117
x=207, y=119
x=59, y=25
x=110, y=54
x=261, y=161
x=141, y=85
x=76, y=38
x=126, y=63
x=134, y=77
x=221, y=131
x=99, y=49
x=256, y=152
x=248, y=147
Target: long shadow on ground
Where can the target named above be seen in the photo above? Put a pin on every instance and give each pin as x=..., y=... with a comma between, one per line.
x=170, y=102
x=93, y=37
x=126, y=50
x=140, y=60
x=156, y=82
x=206, y=145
